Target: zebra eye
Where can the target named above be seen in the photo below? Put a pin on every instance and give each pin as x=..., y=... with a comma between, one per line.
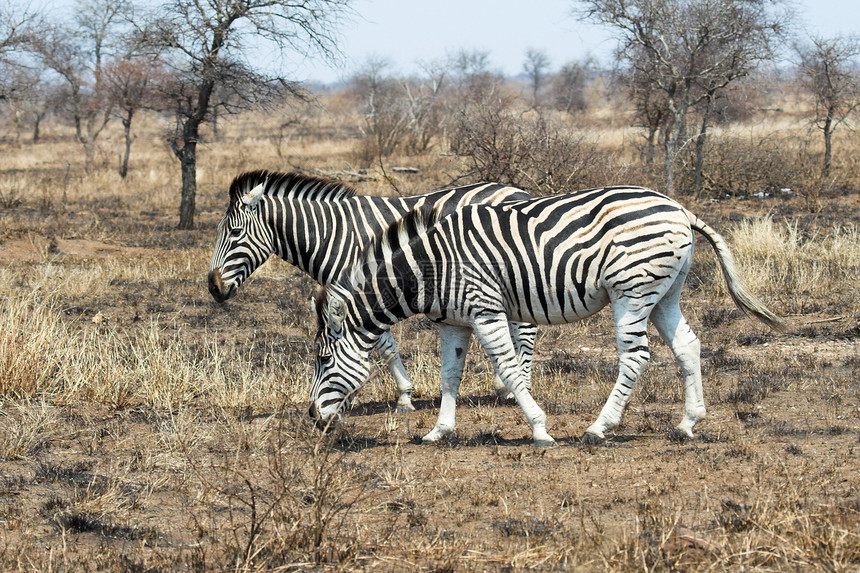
x=235, y=231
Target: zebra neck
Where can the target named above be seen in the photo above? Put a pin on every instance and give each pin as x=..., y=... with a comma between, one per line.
x=397, y=285
x=324, y=238
x=319, y=237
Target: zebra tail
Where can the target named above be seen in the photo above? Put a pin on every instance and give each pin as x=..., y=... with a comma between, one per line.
x=744, y=299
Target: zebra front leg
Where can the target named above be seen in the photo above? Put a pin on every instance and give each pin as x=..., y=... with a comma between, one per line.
x=631, y=335
x=675, y=330
x=495, y=336
x=523, y=335
x=454, y=342
x=387, y=349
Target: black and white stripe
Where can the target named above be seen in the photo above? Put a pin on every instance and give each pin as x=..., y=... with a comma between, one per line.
x=320, y=226
x=547, y=260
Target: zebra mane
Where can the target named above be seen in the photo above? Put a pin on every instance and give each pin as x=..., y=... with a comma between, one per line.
x=293, y=185
x=413, y=224
x=319, y=299
x=380, y=248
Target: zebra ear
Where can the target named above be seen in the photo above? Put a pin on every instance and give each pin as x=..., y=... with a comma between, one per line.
x=252, y=197
x=336, y=312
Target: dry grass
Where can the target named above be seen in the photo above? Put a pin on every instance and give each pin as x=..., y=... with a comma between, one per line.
x=145, y=428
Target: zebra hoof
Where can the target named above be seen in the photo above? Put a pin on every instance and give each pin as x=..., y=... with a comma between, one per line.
x=433, y=436
x=544, y=443
x=589, y=439
x=404, y=408
x=505, y=395
x=679, y=436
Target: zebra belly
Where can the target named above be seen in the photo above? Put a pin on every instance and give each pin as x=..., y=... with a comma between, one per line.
x=469, y=296
x=556, y=290
x=572, y=306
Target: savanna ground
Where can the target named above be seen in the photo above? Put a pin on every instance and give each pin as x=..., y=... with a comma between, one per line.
x=143, y=427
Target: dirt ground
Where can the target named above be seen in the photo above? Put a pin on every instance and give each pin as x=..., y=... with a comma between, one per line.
x=772, y=480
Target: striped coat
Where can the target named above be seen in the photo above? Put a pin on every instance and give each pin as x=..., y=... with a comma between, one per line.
x=549, y=260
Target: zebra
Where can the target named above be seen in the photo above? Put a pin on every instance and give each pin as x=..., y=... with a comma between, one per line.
x=548, y=260
x=320, y=225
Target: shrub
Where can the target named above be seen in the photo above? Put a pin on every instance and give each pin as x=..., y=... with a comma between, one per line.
x=736, y=165
x=527, y=149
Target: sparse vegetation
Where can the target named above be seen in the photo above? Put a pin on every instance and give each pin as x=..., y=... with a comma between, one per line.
x=145, y=428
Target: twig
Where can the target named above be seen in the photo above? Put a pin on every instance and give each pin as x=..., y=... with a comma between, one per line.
x=390, y=180
x=822, y=320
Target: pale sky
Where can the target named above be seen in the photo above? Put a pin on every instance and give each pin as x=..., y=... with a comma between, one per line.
x=405, y=32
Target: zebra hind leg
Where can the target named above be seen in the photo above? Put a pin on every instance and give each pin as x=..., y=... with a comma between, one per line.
x=675, y=330
x=523, y=335
x=387, y=349
x=454, y=342
x=631, y=324
x=524, y=341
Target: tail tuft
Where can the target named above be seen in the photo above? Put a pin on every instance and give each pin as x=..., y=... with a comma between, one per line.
x=744, y=299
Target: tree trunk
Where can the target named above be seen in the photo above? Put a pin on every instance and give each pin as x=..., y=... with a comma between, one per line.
x=672, y=137
x=700, y=143
x=677, y=104
x=828, y=146
x=89, y=155
x=649, y=150
x=188, y=153
x=188, y=161
x=126, y=124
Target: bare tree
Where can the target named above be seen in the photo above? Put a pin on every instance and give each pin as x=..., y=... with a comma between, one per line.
x=79, y=52
x=133, y=83
x=569, y=85
x=536, y=67
x=211, y=44
x=34, y=99
x=689, y=48
x=398, y=114
x=16, y=23
x=828, y=71
x=382, y=106
x=43, y=99
x=650, y=107
x=472, y=86
x=425, y=106
x=19, y=25
x=472, y=78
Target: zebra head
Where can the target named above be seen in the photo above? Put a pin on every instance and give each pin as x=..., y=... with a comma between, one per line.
x=243, y=243
x=341, y=365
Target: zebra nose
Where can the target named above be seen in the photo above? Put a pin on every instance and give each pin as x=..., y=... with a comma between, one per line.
x=216, y=286
x=313, y=412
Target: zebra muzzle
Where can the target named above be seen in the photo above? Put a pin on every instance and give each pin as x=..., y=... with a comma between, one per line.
x=216, y=287
x=321, y=424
